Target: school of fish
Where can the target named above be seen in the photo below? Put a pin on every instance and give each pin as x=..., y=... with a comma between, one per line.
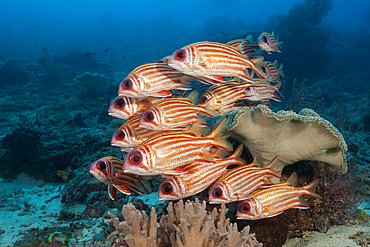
x=166, y=133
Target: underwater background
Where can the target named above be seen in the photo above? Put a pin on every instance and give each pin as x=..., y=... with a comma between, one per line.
x=61, y=63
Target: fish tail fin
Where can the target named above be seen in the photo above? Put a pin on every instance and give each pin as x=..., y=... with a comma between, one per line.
x=272, y=166
x=193, y=96
x=218, y=138
x=144, y=185
x=258, y=61
x=311, y=187
x=281, y=70
x=198, y=127
x=293, y=179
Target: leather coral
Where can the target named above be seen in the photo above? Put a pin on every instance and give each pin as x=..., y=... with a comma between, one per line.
x=291, y=136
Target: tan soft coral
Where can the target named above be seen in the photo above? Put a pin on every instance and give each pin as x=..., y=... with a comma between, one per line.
x=291, y=136
x=185, y=225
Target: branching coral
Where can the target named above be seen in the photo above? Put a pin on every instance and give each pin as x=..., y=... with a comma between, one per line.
x=185, y=225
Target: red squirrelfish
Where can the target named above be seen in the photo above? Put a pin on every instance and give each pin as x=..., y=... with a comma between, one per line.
x=153, y=80
x=109, y=171
x=125, y=107
x=222, y=97
x=238, y=183
x=261, y=93
x=273, y=72
x=267, y=42
x=198, y=177
x=166, y=153
x=212, y=61
x=246, y=46
x=172, y=114
x=130, y=134
x=272, y=201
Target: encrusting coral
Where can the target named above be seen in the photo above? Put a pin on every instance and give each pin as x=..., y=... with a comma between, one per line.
x=290, y=136
x=185, y=225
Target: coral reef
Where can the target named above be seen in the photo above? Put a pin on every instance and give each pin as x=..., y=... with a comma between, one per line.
x=23, y=148
x=186, y=224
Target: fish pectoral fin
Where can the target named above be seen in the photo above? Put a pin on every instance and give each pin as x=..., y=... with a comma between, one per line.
x=243, y=196
x=176, y=171
x=112, y=191
x=162, y=93
x=123, y=188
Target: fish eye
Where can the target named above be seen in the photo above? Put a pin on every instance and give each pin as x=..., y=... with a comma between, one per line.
x=244, y=208
x=101, y=166
x=180, y=55
x=167, y=188
x=120, y=103
x=136, y=158
x=217, y=193
x=127, y=84
x=120, y=135
x=149, y=116
x=264, y=39
x=203, y=99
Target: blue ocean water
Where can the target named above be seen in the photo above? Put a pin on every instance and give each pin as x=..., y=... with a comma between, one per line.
x=61, y=63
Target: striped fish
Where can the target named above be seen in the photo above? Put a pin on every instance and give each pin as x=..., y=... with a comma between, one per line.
x=153, y=80
x=269, y=43
x=109, y=171
x=165, y=59
x=130, y=134
x=198, y=177
x=212, y=61
x=246, y=46
x=262, y=93
x=125, y=107
x=272, y=201
x=172, y=114
x=241, y=181
x=273, y=72
x=167, y=153
x=222, y=97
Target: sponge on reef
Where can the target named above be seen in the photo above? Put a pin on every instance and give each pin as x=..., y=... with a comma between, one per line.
x=291, y=136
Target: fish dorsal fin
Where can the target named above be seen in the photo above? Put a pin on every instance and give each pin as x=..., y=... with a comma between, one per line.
x=237, y=152
x=144, y=186
x=271, y=166
x=258, y=61
x=273, y=34
x=249, y=38
x=197, y=127
x=193, y=96
x=292, y=180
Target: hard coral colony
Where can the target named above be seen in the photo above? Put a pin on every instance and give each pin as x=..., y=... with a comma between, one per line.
x=190, y=159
